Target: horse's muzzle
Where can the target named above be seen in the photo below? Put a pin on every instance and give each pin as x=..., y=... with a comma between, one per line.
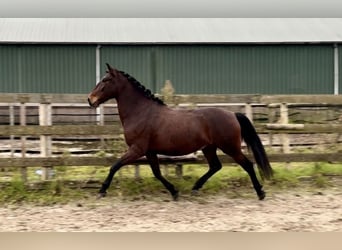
x=92, y=104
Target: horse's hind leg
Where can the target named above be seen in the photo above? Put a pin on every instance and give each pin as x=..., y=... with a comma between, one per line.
x=214, y=166
x=247, y=165
x=154, y=163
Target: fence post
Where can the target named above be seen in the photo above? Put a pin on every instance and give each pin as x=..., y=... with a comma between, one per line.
x=45, y=140
x=137, y=172
x=249, y=111
x=179, y=170
x=271, y=119
x=11, y=122
x=101, y=122
x=23, y=139
x=168, y=92
x=284, y=119
x=166, y=170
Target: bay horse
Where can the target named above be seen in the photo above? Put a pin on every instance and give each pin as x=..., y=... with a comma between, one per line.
x=152, y=128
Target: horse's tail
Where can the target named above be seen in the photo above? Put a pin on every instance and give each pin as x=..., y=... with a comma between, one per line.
x=250, y=136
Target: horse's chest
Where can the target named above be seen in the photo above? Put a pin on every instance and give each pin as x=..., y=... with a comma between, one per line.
x=135, y=135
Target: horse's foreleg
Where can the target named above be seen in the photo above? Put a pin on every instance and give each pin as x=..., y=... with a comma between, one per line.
x=131, y=155
x=154, y=163
x=108, y=180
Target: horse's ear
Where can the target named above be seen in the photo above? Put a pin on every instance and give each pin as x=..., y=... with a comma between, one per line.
x=111, y=70
x=109, y=67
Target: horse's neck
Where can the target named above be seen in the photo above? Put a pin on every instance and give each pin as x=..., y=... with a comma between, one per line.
x=132, y=104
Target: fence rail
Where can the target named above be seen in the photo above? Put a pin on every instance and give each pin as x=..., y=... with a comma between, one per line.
x=276, y=125
x=114, y=129
x=107, y=161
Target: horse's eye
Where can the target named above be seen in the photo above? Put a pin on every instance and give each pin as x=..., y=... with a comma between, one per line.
x=106, y=78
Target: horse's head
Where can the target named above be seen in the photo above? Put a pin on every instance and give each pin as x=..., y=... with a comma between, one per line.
x=106, y=89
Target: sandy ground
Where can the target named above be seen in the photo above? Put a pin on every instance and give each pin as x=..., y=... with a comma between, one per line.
x=289, y=212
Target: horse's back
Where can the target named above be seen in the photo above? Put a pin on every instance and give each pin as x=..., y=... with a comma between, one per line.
x=217, y=117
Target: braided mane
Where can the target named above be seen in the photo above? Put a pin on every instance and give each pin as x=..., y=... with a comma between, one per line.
x=146, y=92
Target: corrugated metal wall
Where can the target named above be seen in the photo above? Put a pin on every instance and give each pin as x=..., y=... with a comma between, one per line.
x=47, y=68
x=193, y=69
x=278, y=69
x=9, y=69
x=138, y=61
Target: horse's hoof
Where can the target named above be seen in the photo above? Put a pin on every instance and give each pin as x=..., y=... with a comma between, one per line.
x=195, y=192
x=101, y=195
x=175, y=196
x=262, y=195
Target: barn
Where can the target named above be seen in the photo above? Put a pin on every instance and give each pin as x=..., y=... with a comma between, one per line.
x=198, y=55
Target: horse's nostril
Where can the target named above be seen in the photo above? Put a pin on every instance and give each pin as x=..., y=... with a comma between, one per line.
x=90, y=102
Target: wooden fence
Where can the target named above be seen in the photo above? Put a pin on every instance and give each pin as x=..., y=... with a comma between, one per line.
x=277, y=122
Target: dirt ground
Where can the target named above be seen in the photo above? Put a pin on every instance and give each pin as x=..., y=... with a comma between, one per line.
x=291, y=212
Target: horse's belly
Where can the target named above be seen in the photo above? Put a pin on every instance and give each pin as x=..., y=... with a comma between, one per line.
x=179, y=144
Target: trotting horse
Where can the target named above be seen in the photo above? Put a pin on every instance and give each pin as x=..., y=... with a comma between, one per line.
x=152, y=128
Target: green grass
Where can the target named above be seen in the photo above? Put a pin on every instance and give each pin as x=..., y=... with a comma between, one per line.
x=82, y=183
